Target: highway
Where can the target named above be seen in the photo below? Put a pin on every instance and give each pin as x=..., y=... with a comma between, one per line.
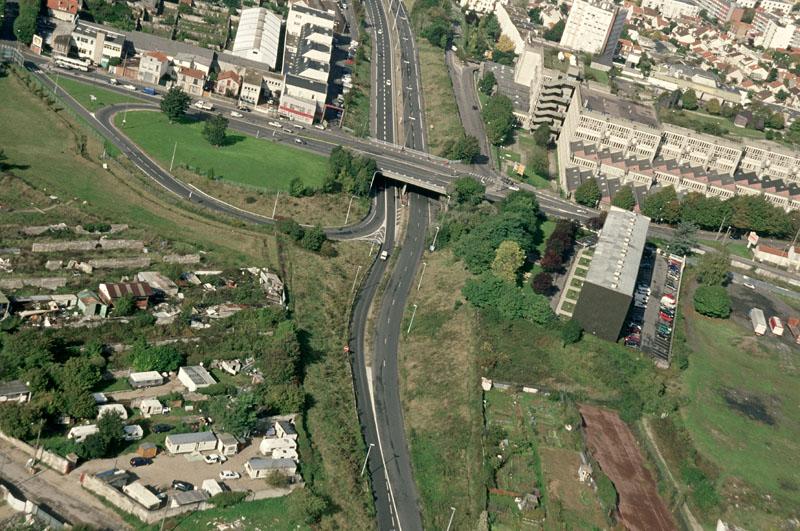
x=382, y=73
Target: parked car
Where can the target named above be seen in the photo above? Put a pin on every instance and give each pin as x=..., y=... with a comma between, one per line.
x=243, y=108
x=229, y=474
x=748, y=282
x=214, y=458
x=161, y=428
x=237, y=114
x=183, y=486
x=130, y=87
x=113, y=81
x=299, y=141
x=384, y=255
x=274, y=124
x=150, y=91
x=665, y=317
x=140, y=461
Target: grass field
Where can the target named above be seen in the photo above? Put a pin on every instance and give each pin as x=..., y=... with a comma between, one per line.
x=83, y=91
x=441, y=397
x=244, y=160
x=741, y=410
x=735, y=248
x=693, y=119
x=441, y=110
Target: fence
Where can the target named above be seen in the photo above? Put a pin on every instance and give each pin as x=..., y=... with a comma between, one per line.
x=56, y=462
x=22, y=505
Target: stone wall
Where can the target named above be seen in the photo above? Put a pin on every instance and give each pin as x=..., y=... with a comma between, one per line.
x=56, y=462
x=22, y=505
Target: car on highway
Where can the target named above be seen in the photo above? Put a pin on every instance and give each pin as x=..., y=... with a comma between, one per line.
x=183, y=486
x=129, y=86
x=150, y=91
x=243, y=108
x=380, y=31
x=748, y=282
x=389, y=82
x=298, y=126
x=299, y=141
x=113, y=81
x=384, y=255
x=237, y=114
x=206, y=106
x=320, y=127
x=229, y=474
x=287, y=130
x=140, y=461
x=161, y=428
x=274, y=124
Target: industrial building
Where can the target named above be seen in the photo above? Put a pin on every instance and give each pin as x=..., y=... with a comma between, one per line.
x=258, y=36
x=609, y=285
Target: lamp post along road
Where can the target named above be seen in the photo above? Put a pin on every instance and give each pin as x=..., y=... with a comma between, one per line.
x=364, y=466
x=424, y=265
x=412, y=319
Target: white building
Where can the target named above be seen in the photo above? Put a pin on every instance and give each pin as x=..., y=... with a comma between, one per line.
x=145, y=379
x=79, y=433
x=119, y=409
x=195, y=377
x=150, y=407
x=261, y=467
x=772, y=32
x=671, y=9
x=776, y=6
x=152, y=67
x=593, y=26
x=258, y=36
x=142, y=494
x=97, y=44
x=186, y=443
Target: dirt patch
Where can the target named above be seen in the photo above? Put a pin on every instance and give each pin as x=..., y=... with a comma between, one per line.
x=613, y=445
x=752, y=406
x=560, y=467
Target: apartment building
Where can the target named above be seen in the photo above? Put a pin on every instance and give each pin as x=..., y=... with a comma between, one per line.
x=619, y=142
x=594, y=26
x=153, y=66
x=99, y=45
x=777, y=7
x=66, y=10
x=191, y=81
x=722, y=10
x=770, y=31
x=673, y=9
x=258, y=36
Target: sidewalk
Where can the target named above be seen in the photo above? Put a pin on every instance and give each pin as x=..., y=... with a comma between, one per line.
x=62, y=494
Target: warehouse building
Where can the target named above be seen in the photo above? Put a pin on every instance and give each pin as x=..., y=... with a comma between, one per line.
x=610, y=282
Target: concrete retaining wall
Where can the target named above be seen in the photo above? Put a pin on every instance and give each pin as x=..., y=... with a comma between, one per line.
x=87, y=245
x=33, y=509
x=120, y=263
x=51, y=283
x=56, y=462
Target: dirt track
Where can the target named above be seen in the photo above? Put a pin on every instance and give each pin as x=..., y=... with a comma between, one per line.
x=612, y=444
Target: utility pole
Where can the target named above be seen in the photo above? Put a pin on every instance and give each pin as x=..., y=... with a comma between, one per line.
x=424, y=265
x=412, y=319
x=452, y=514
x=171, y=162
x=348, y=209
x=125, y=116
x=364, y=466
x=372, y=181
x=354, y=280
x=433, y=245
x=720, y=227
x=275, y=207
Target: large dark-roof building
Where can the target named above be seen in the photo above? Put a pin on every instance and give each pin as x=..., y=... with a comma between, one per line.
x=610, y=282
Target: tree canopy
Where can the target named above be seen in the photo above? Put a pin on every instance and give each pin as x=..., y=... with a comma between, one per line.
x=469, y=191
x=175, y=103
x=508, y=258
x=588, y=193
x=466, y=149
x=498, y=114
x=713, y=268
x=214, y=129
x=511, y=301
x=712, y=301
x=146, y=357
x=624, y=198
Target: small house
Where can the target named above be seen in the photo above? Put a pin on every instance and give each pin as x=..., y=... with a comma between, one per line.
x=195, y=377
x=145, y=379
x=142, y=495
x=232, y=367
x=186, y=443
x=279, y=447
x=191, y=497
x=227, y=444
x=79, y=433
x=158, y=282
x=14, y=391
x=90, y=305
x=148, y=449
x=150, y=407
x=261, y=467
x=140, y=291
x=212, y=487
x=133, y=432
x=104, y=409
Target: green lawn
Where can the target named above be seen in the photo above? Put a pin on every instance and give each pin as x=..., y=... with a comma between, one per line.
x=736, y=249
x=733, y=378
x=262, y=514
x=694, y=120
x=82, y=91
x=597, y=75
x=244, y=160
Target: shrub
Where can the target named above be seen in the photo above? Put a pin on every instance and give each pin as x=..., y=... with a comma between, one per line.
x=712, y=301
x=227, y=499
x=571, y=333
x=542, y=283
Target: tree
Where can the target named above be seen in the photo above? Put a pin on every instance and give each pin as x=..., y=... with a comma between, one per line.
x=535, y=16
x=477, y=247
x=542, y=283
x=712, y=301
x=313, y=238
x=775, y=121
x=508, y=258
x=773, y=75
x=466, y=149
x=487, y=83
x=571, y=332
x=554, y=34
x=468, y=191
x=538, y=162
x=498, y=114
x=306, y=507
x=689, y=100
x=525, y=205
x=624, y=198
x=25, y=23
x=510, y=301
x=684, y=239
x=236, y=416
x=146, y=357
x=713, y=106
x=296, y=187
x=542, y=135
x=125, y=306
x=781, y=96
x=110, y=429
x=713, y=268
x=490, y=26
x=175, y=103
x=505, y=44
x=662, y=205
x=214, y=129
x=18, y=420
x=291, y=228
x=645, y=64
x=438, y=32
x=24, y=350
x=588, y=193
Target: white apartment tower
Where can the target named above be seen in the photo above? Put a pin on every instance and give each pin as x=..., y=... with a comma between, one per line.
x=258, y=36
x=594, y=26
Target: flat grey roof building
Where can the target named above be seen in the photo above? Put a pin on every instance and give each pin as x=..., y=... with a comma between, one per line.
x=192, y=438
x=615, y=107
x=615, y=263
x=266, y=463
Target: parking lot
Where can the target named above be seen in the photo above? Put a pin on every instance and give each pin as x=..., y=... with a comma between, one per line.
x=650, y=318
x=185, y=467
x=743, y=299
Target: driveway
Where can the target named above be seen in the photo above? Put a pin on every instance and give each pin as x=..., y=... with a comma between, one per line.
x=463, y=78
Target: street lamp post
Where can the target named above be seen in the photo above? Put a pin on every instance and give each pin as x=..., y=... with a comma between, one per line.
x=433, y=245
x=171, y=162
x=412, y=319
x=452, y=514
x=424, y=265
x=348, y=209
x=275, y=206
x=355, y=280
x=364, y=466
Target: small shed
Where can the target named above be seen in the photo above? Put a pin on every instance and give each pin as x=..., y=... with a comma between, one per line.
x=185, y=443
x=14, y=391
x=145, y=379
x=285, y=430
x=158, y=282
x=227, y=444
x=261, y=467
x=191, y=497
x=142, y=494
x=212, y=487
x=147, y=449
x=90, y=304
x=195, y=377
x=150, y=407
x=139, y=291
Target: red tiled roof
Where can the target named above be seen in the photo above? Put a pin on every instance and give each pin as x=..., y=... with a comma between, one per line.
x=139, y=290
x=230, y=74
x=158, y=55
x=70, y=6
x=192, y=72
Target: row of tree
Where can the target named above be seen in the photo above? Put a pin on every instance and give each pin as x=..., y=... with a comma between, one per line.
x=349, y=173
x=711, y=297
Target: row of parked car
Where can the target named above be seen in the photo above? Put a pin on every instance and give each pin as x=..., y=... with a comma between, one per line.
x=666, y=309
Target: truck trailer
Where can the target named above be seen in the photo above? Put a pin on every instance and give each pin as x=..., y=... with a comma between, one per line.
x=793, y=324
x=776, y=325
x=758, y=321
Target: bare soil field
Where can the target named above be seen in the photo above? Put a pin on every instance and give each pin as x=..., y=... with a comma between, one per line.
x=613, y=445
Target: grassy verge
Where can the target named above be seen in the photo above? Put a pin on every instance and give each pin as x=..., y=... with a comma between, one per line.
x=736, y=249
x=244, y=159
x=441, y=110
x=357, y=101
x=83, y=93
x=699, y=121
x=441, y=397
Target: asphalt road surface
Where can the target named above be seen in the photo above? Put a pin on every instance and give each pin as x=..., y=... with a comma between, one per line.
x=463, y=77
x=382, y=71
